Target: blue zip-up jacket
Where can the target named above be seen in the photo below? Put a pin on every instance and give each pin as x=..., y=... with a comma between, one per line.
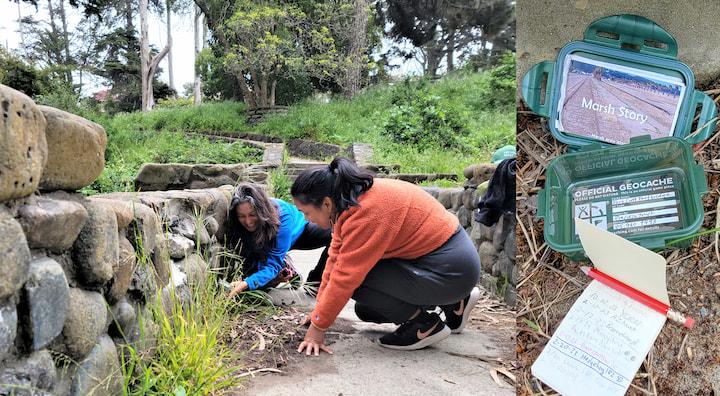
x=292, y=225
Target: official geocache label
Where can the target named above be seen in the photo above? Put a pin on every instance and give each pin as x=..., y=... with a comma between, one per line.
x=632, y=206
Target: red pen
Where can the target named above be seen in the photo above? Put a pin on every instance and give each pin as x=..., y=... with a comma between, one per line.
x=639, y=296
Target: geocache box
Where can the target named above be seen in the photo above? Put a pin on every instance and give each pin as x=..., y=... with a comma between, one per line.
x=629, y=112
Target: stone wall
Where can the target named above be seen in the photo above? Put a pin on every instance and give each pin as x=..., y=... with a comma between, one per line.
x=78, y=274
x=495, y=244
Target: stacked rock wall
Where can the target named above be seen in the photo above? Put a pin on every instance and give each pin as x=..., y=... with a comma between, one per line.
x=78, y=275
x=495, y=244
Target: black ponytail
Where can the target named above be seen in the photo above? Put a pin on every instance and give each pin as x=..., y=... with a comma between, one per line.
x=342, y=181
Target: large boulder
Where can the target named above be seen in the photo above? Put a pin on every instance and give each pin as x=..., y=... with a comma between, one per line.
x=50, y=223
x=123, y=210
x=122, y=274
x=96, y=250
x=478, y=173
x=45, y=301
x=143, y=230
x=8, y=328
x=76, y=151
x=33, y=375
x=154, y=177
x=99, y=374
x=488, y=256
x=124, y=317
x=14, y=255
x=23, y=147
x=86, y=320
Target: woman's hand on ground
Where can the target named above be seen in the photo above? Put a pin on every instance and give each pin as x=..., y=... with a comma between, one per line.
x=314, y=342
x=237, y=288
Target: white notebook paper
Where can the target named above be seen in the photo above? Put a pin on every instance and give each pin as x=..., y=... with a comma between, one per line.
x=600, y=344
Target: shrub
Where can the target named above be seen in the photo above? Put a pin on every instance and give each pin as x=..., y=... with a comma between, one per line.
x=421, y=119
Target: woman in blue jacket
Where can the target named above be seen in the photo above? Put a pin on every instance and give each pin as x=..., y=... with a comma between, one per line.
x=264, y=229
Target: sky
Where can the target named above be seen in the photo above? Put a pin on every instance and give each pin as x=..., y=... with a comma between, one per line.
x=182, y=50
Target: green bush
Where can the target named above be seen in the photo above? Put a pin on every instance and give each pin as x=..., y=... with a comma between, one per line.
x=420, y=118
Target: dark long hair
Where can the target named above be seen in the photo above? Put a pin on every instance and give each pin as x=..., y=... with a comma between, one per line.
x=267, y=213
x=342, y=181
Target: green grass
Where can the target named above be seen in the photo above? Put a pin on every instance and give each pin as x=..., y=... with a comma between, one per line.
x=362, y=120
x=158, y=136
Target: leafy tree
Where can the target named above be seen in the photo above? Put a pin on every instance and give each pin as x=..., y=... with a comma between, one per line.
x=441, y=29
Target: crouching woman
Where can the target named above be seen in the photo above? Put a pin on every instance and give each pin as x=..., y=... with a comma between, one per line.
x=395, y=250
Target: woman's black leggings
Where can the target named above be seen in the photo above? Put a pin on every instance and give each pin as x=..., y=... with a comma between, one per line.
x=395, y=288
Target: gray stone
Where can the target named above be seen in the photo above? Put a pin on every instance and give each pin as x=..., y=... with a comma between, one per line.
x=33, y=375
x=478, y=173
x=188, y=228
x=154, y=177
x=14, y=253
x=142, y=335
x=468, y=198
x=99, y=374
x=8, y=328
x=211, y=225
x=216, y=175
x=505, y=226
x=51, y=224
x=480, y=232
x=510, y=296
x=123, y=210
x=86, y=320
x=195, y=267
x=124, y=318
x=445, y=198
x=510, y=247
x=122, y=274
x=434, y=191
x=144, y=228
x=505, y=266
x=161, y=260
x=216, y=253
x=180, y=246
x=23, y=147
x=545, y=26
x=96, y=250
x=46, y=300
x=490, y=283
x=76, y=151
x=456, y=199
x=144, y=281
x=488, y=256
x=464, y=217
x=514, y=276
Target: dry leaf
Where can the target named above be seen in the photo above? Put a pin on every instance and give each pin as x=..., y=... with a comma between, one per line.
x=261, y=340
x=233, y=334
x=506, y=373
x=493, y=374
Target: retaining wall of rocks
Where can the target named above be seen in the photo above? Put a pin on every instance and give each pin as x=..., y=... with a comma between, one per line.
x=78, y=275
x=495, y=244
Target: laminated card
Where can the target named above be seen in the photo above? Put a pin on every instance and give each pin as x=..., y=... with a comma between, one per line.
x=604, y=338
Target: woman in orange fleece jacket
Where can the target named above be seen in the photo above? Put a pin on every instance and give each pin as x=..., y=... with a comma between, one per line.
x=395, y=250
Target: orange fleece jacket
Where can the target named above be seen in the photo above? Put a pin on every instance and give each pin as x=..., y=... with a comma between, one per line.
x=395, y=219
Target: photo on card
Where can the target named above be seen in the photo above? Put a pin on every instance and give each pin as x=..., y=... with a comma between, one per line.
x=613, y=103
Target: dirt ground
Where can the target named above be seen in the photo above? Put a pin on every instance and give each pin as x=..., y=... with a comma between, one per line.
x=267, y=339
x=681, y=362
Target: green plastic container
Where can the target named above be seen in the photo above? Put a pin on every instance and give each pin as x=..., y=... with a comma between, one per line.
x=647, y=191
x=622, y=80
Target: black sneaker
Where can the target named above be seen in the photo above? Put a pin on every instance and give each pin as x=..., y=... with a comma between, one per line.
x=425, y=329
x=457, y=315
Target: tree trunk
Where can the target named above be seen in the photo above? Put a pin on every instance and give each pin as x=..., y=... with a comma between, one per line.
x=197, y=85
x=56, y=50
x=147, y=65
x=272, y=92
x=434, y=56
x=451, y=50
x=248, y=96
x=129, y=27
x=358, y=38
x=66, y=42
x=169, y=43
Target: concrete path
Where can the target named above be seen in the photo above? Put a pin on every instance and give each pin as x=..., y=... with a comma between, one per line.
x=459, y=365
